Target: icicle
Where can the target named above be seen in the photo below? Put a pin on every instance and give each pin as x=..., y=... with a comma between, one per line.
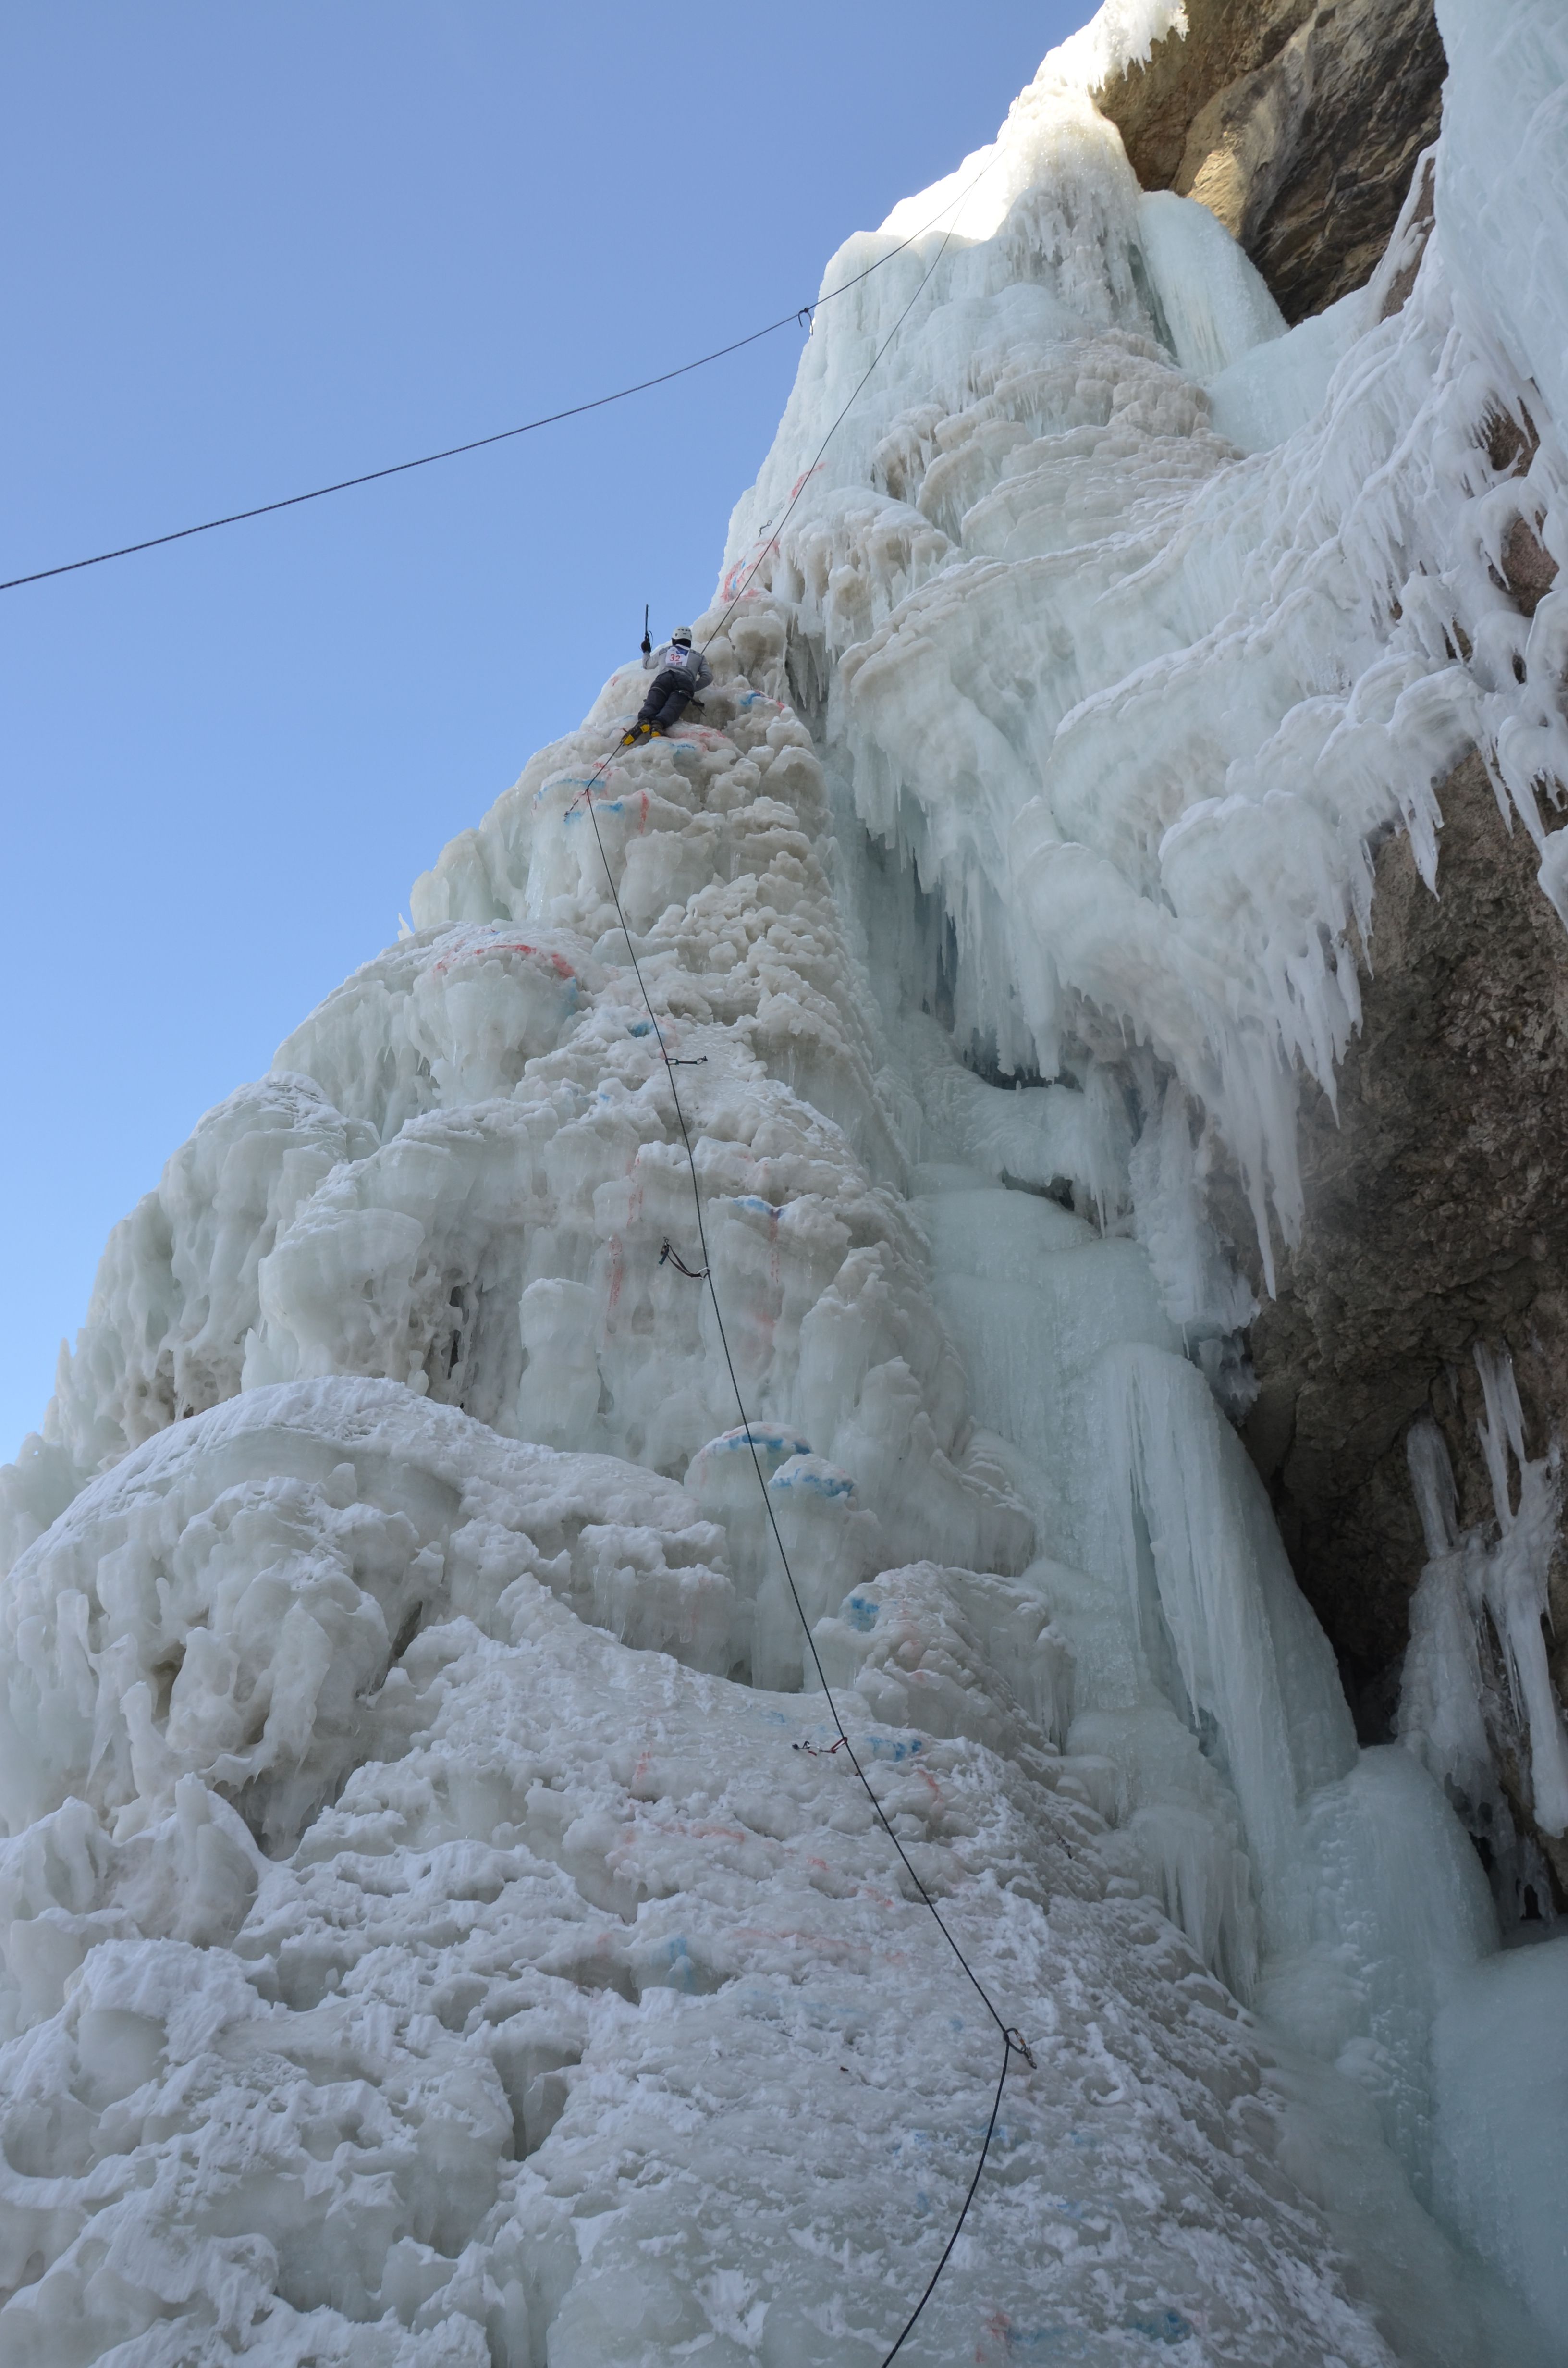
x=1444, y=1693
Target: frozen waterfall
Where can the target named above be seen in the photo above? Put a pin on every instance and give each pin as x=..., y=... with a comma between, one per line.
x=434, y=1925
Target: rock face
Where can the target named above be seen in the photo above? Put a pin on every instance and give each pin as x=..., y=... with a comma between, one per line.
x=1436, y=1226
x=1298, y=124
x=1436, y=1222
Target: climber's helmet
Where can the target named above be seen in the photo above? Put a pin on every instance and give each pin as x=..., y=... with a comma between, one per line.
x=681, y=637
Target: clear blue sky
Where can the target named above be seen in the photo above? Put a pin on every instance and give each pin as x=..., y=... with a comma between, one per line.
x=251, y=249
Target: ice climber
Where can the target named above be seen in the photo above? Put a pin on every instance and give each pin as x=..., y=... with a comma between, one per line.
x=679, y=673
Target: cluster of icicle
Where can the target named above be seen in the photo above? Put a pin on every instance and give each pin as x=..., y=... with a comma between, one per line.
x=1135, y=712
x=1480, y=1600
x=1139, y=713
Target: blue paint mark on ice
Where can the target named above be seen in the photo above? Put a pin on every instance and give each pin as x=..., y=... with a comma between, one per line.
x=1064, y=2343
x=764, y=1436
x=683, y=1972
x=1161, y=2326
x=862, y=1616
x=817, y=1478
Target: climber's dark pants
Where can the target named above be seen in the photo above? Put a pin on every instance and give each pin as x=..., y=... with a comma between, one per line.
x=666, y=701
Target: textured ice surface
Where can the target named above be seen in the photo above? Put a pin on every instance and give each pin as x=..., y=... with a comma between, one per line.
x=1501, y=2052
x=586, y=2001
x=433, y=1923
x=1135, y=712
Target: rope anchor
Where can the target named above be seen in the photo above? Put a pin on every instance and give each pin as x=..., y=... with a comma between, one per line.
x=692, y=1273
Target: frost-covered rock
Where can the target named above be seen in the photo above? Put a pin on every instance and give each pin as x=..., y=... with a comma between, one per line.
x=1252, y=108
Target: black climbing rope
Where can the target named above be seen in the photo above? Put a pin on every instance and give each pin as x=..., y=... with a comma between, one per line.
x=769, y=529
x=1013, y=2041
x=584, y=795
x=479, y=443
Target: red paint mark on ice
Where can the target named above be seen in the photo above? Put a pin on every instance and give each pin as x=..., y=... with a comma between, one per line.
x=999, y=2327
x=558, y=962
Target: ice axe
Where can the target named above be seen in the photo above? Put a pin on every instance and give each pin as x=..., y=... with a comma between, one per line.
x=647, y=642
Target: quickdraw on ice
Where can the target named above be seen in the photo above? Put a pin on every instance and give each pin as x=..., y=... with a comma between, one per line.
x=692, y=1273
